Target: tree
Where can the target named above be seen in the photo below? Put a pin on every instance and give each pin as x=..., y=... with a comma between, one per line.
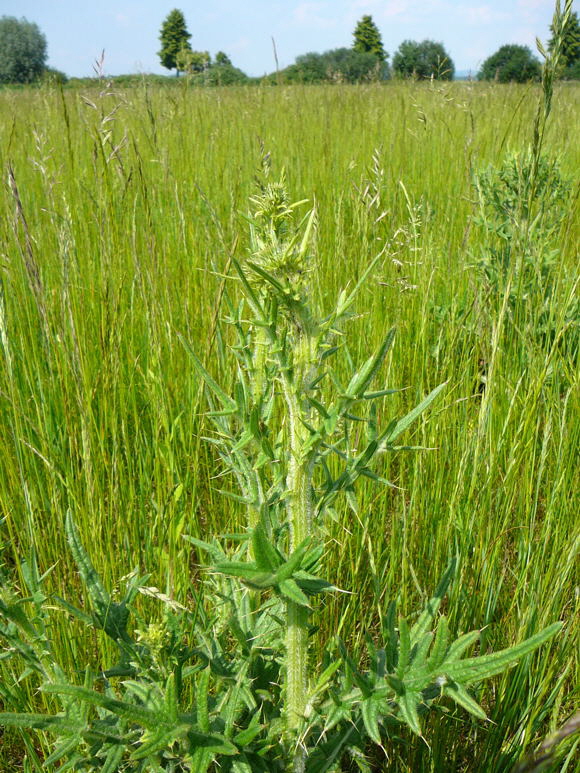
x=427, y=59
x=367, y=39
x=570, y=48
x=220, y=75
x=22, y=51
x=174, y=38
x=510, y=63
x=223, y=60
x=192, y=61
x=344, y=65
x=570, y=40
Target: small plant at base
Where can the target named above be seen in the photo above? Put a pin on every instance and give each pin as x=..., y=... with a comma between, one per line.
x=522, y=204
x=516, y=198
x=234, y=688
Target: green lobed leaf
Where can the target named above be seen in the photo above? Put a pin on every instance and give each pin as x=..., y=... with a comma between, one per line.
x=420, y=650
x=212, y=742
x=408, y=704
x=475, y=669
x=129, y=711
x=251, y=296
x=215, y=551
x=426, y=618
x=266, y=556
x=89, y=576
x=407, y=420
x=292, y=592
x=293, y=563
x=365, y=375
x=246, y=571
x=171, y=698
x=460, y=695
x=40, y=722
x=404, y=647
x=239, y=766
x=62, y=750
x=113, y=759
x=247, y=735
x=440, y=644
x=201, y=699
x=225, y=399
x=370, y=714
x=460, y=645
x=154, y=741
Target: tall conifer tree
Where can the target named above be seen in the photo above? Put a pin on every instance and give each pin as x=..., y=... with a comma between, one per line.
x=367, y=38
x=174, y=38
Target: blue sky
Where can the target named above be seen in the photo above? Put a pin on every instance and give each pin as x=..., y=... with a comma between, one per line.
x=128, y=30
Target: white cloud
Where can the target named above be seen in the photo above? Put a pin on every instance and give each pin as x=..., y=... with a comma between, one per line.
x=379, y=8
x=240, y=45
x=314, y=15
x=394, y=8
x=533, y=5
x=524, y=36
x=483, y=14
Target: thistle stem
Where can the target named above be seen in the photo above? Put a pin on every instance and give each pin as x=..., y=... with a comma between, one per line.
x=299, y=483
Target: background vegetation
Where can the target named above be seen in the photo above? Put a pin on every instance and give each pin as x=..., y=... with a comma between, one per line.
x=23, y=56
x=121, y=213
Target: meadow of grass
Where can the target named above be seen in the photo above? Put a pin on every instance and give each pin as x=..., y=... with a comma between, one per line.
x=120, y=212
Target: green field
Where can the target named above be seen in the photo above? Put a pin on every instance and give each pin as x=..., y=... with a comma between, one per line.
x=120, y=212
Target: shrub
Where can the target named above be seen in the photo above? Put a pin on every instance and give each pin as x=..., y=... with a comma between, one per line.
x=510, y=63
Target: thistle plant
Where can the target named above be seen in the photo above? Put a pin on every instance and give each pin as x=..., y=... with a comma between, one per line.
x=230, y=685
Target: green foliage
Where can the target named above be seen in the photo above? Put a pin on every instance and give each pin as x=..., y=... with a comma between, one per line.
x=174, y=37
x=525, y=203
x=340, y=65
x=193, y=61
x=572, y=72
x=223, y=60
x=220, y=75
x=22, y=51
x=515, y=196
x=570, y=44
x=130, y=238
x=54, y=77
x=427, y=59
x=510, y=63
x=367, y=39
x=234, y=688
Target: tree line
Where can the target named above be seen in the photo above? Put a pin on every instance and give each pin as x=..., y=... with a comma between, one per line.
x=23, y=58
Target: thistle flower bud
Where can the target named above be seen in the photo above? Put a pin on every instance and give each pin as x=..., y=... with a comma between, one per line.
x=279, y=257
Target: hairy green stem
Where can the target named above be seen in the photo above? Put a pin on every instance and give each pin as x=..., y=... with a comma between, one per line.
x=299, y=482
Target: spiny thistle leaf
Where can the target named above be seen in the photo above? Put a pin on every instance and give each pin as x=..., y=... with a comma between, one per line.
x=464, y=699
x=365, y=375
x=426, y=618
x=266, y=556
x=370, y=715
x=89, y=576
x=130, y=711
x=407, y=420
x=408, y=704
x=113, y=759
x=475, y=669
x=290, y=589
x=215, y=388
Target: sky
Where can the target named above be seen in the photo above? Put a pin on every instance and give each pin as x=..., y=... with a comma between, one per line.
x=77, y=31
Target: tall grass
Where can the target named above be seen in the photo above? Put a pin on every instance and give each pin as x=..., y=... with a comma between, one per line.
x=121, y=212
